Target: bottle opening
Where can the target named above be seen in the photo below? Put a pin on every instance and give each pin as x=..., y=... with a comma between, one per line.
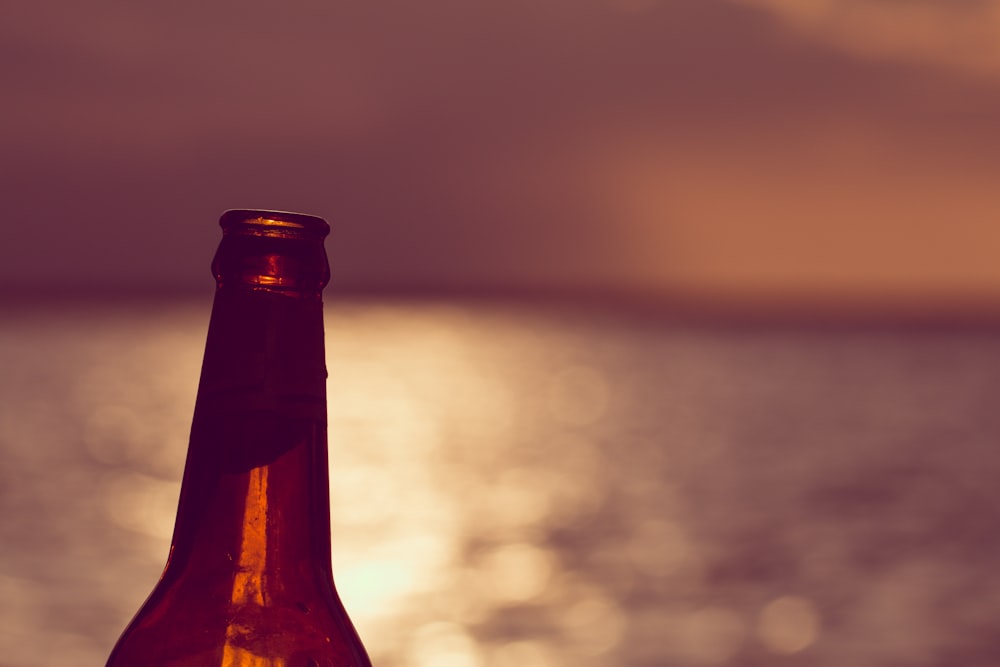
x=282, y=224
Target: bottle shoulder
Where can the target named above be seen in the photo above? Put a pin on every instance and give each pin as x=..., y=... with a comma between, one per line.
x=187, y=626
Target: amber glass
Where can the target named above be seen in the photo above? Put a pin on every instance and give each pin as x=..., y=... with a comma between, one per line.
x=248, y=581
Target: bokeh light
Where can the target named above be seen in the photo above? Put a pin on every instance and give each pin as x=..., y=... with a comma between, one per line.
x=788, y=624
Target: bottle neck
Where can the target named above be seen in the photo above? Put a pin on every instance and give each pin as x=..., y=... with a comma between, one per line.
x=255, y=496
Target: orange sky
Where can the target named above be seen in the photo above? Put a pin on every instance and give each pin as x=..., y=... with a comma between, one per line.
x=806, y=149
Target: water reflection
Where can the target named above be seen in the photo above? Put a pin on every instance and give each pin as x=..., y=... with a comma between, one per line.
x=140, y=503
x=710, y=635
x=577, y=395
x=515, y=486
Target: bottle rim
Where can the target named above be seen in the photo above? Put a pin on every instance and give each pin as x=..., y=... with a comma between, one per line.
x=273, y=223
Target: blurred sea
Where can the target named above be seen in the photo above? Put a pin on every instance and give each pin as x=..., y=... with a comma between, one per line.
x=541, y=486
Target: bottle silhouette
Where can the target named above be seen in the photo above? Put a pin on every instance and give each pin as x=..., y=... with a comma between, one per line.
x=248, y=581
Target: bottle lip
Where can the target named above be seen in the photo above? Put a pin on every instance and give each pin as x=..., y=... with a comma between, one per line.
x=261, y=222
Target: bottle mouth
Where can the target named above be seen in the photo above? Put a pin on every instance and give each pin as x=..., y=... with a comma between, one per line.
x=281, y=224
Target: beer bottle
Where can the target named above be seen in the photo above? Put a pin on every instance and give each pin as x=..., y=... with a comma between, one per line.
x=248, y=580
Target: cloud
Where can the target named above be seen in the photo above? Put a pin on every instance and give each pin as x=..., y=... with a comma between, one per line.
x=136, y=77
x=830, y=209
x=963, y=34
x=501, y=143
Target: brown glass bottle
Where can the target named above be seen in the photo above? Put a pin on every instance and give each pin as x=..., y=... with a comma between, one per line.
x=248, y=582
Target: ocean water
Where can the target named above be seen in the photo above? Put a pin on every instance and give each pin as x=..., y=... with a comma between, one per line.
x=541, y=486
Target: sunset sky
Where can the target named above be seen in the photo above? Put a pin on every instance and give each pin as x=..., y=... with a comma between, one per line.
x=784, y=149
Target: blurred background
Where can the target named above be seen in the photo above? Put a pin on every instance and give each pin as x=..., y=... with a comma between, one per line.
x=661, y=332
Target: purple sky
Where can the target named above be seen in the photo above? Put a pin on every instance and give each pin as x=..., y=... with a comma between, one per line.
x=801, y=149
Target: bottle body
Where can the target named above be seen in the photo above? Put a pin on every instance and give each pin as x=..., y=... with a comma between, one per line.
x=248, y=581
